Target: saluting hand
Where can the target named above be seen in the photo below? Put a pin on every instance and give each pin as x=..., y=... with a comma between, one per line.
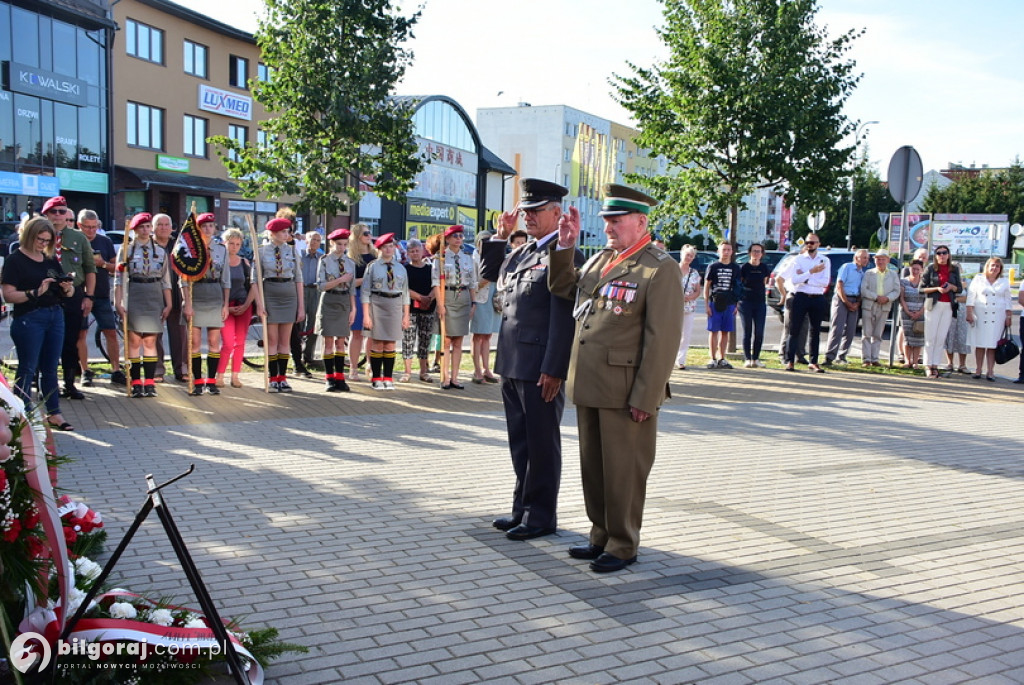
x=507, y=224
x=569, y=228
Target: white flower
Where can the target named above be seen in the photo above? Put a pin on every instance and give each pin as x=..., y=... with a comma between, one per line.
x=122, y=610
x=195, y=623
x=161, y=617
x=87, y=568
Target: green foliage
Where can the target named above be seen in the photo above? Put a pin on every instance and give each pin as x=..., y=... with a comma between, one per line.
x=334, y=65
x=987, y=193
x=870, y=196
x=750, y=96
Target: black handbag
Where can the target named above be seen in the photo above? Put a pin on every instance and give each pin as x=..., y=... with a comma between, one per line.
x=1006, y=349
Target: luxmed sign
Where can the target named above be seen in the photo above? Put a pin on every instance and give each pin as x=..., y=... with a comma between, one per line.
x=28, y=80
x=224, y=102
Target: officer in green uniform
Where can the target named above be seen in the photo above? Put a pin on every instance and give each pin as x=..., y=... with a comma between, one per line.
x=628, y=310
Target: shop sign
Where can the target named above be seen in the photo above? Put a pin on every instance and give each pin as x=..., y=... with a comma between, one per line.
x=82, y=181
x=266, y=207
x=241, y=205
x=430, y=211
x=28, y=184
x=168, y=163
x=224, y=102
x=28, y=80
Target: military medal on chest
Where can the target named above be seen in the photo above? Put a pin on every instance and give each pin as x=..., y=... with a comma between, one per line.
x=616, y=295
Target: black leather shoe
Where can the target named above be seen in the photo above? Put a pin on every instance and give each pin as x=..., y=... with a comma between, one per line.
x=585, y=552
x=1019, y=380
x=343, y=386
x=606, y=563
x=73, y=393
x=506, y=522
x=525, y=532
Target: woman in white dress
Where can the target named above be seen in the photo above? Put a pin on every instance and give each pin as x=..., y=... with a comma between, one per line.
x=988, y=313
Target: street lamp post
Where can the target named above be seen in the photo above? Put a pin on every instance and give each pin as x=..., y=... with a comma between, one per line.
x=853, y=181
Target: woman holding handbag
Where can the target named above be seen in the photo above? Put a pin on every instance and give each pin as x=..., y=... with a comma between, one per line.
x=988, y=313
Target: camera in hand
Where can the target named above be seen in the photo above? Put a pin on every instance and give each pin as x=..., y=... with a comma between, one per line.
x=59, y=277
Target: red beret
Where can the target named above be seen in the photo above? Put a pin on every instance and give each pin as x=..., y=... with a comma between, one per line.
x=384, y=240
x=275, y=225
x=452, y=230
x=55, y=202
x=140, y=218
x=339, y=234
x=205, y=218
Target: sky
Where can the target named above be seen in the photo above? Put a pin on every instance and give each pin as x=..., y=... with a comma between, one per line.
x=945, y=76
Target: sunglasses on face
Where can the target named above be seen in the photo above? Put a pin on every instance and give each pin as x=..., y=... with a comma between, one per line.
x=941, y=253
x=811, y=242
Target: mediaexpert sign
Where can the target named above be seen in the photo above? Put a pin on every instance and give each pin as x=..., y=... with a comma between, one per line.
x=430, y=211
x=22, y=78
x=28, y=184
x=224, y=102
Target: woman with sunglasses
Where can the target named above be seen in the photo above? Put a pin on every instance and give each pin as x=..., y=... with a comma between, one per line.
x=362, y=252
x=34, y=283
x=940, y=284
x=142, y=293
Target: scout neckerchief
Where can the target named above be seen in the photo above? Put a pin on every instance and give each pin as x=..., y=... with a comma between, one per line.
x=626, y=254
x=458, y=271
x=56, y=247
x=278, y=265
x=391, y=276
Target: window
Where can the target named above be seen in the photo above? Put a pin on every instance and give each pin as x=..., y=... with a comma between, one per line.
x=145, y=126
x=144, y=42
x=238, y=71
x=239, y=133
x=195, y=136
x=566, y=155
x=262, y=140
x=196, y=56
x=263, y=72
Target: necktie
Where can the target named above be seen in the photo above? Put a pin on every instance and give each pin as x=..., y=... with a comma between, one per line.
x=458, y=271
x=145, y=259
x=277, y=261
x=391, y=277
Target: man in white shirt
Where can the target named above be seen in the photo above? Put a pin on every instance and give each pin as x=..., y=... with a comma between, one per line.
x=811, y=274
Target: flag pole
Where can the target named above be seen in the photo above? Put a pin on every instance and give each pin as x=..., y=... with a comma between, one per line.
x=445, y=356
x=260, y=308
x=125, y=278
x=191, y=366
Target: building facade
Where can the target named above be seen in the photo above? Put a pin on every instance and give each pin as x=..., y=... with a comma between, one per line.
x=462, y=182
x=182, y=77
x=54, y=124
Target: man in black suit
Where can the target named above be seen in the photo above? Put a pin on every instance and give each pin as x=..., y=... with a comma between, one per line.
x=533, y=356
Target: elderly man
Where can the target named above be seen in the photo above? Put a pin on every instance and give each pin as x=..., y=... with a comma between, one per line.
x=880, y=287
x=629, y=311
x=845, y=308
x=811, y=273
x=533, y=356
x=74, y=252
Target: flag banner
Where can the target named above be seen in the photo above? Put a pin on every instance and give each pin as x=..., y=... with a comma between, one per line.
x=191, y=255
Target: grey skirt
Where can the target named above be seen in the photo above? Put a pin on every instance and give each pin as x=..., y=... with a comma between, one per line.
x=456, y=312
x=281, y=301
x=332, y=315
x=387, y=318
x=145, y=305
x=207, y=306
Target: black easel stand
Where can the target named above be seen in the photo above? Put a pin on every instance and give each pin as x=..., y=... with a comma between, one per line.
x=154, y=500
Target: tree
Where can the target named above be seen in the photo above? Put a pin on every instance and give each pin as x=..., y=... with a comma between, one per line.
x=870, y=196
x=750, y=96
x=333, y=66
x=989, y=192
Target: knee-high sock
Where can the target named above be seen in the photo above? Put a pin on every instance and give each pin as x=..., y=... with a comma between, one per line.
x=212, y=362
x=136, y=372
x=149, y=369
x=389, y=364
x=197, y=370
x=376, y=362
x=339, y=366
x=329, y=366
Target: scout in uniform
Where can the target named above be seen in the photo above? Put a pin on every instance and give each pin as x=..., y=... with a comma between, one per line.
x=142, y=293
x=336, y=310
x=628, y=309
x=282, y=298
x=385, y=300
x=205, y=302
x=461, y=277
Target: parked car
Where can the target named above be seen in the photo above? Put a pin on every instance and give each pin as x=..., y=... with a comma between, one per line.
x=700, y=262
x=836, y=259
x=116, y=237
x=770, y=257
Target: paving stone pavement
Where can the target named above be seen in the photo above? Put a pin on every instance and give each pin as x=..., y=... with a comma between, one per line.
x=844, y=528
